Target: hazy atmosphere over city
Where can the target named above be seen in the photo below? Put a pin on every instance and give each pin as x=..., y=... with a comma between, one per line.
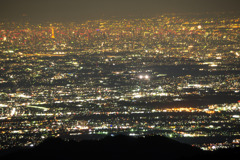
x=65, y=10
x=128, y=79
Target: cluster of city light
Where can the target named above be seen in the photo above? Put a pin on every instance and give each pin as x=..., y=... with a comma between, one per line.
x=90, y=69
x=146, y=77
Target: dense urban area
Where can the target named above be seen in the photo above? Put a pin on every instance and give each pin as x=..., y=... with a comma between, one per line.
x=167, y=75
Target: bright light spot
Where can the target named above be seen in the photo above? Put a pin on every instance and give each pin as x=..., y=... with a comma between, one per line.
x=213, y=65
x=199, y=27
x=3, y=105
x=13, y=111
x=132, y=134
x=236, y=116
x=144, y=77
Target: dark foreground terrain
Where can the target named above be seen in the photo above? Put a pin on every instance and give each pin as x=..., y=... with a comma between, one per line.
x=118, y=147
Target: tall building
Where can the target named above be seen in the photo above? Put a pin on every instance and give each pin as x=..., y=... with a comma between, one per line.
x=53, y=36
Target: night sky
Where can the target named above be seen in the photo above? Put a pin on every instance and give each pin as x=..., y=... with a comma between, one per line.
x=87, y=9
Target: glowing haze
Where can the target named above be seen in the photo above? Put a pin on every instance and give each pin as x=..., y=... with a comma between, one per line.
x=86, y=9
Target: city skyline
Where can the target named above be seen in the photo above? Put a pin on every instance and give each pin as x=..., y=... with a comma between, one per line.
x=166, y=75
x=132, y=67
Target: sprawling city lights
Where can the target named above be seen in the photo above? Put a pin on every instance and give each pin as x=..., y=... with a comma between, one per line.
x=167, y=75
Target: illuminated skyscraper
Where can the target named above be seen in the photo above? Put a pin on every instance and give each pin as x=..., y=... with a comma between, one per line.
x=53, y=36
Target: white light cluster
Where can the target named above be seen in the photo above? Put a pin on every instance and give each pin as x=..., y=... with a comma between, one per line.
x=144, y=77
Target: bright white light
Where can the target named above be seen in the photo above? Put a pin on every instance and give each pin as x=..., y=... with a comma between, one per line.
x=236, y=116
x=213, y=147
x=13, y=111
x=213, y=65
x=3, y=105
x=199, y=27
x=144, y=77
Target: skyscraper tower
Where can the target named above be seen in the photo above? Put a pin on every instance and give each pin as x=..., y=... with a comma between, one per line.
x=53, y=36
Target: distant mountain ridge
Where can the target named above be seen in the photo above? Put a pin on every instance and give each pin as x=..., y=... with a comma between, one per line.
x=117, y=147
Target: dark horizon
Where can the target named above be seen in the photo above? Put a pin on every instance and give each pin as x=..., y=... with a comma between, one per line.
x=72, y=10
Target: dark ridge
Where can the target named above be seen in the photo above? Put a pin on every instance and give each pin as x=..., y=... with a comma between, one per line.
x=117, y=147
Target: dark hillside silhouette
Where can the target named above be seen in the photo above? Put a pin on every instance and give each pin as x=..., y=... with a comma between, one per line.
x=118, y=147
